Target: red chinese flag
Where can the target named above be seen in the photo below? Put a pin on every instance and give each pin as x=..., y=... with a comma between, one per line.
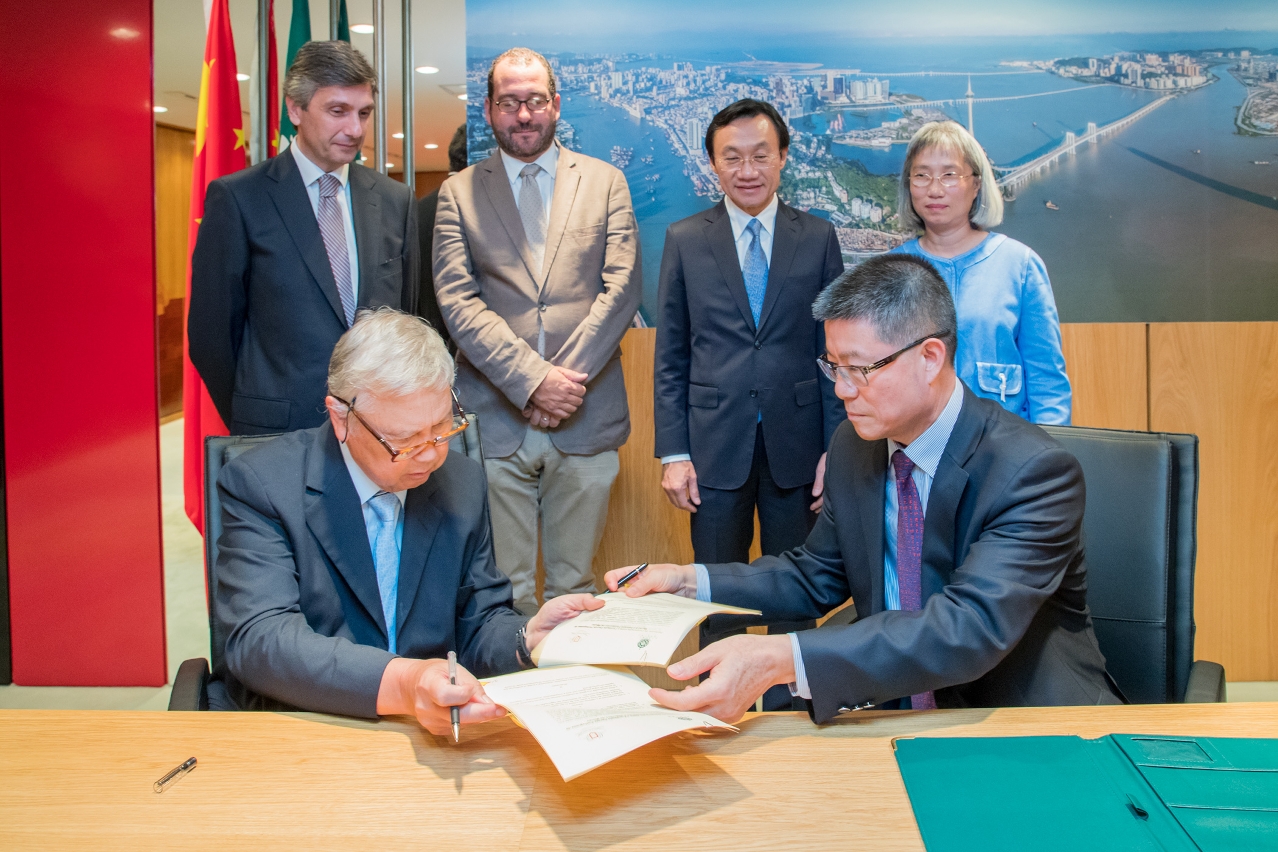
x=272, y=86
x=219, y=150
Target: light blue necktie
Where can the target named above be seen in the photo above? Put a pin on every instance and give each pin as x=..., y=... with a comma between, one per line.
x=755, y=271
x=386, y=558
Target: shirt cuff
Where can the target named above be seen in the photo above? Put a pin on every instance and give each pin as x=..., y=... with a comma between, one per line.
x=703, y=583
x=799, y=688
x=676, y=457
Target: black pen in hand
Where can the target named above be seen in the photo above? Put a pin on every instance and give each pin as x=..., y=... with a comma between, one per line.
x=635, y=573
x=454, y=711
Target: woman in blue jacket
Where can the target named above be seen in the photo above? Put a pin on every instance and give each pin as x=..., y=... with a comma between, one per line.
x=1009, y=335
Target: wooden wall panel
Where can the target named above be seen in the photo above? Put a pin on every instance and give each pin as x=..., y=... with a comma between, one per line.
x=1218, y=380
x=1107, y=366
x=174, y=152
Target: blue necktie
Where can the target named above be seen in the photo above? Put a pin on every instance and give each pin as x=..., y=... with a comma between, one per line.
x=386, y=558
x=755, y=271
x=909, y=550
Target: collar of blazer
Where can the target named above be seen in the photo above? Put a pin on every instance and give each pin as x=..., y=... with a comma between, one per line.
x=492, y=175
x=785, y=243
x=335, y=517
x=293, y=205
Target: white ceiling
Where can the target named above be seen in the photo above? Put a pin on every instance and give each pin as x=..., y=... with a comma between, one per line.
x=439, y=39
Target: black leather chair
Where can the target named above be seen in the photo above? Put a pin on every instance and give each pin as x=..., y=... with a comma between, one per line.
x=1140, y=536
x=190, y=685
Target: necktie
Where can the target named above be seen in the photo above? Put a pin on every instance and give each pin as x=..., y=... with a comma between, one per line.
x=909, y=550
x=333, y=229
x=755, y=270
x=533, y=213
x=386, y=558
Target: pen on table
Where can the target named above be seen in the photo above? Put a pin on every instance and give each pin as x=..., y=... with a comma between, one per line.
x=174, y=774
x=454, y=711
x=635, y=573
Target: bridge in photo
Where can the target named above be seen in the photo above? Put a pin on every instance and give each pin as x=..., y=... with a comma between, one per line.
x=1010, y=179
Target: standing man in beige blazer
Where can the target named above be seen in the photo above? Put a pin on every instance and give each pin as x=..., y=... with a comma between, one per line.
x=537, y=274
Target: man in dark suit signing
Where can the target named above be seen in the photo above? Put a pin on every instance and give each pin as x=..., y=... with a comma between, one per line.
x=954, y=526
x=355, y=555
x=290, y=248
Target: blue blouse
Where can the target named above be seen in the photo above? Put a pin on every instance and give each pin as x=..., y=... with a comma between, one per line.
x=1009, y=335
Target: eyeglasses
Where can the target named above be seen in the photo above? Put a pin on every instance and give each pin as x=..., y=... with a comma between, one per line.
x=951, y=179
x=536, y=103
x=732, y=162
x=459, y=425
x=857, y=375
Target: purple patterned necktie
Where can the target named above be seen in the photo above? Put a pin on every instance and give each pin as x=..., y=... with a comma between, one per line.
x=333, y=230
x=909, y=550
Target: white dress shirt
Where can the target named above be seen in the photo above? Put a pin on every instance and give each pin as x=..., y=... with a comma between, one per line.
x=549, y=162
x=738, y=218
x=311, y=174
x=925, y=451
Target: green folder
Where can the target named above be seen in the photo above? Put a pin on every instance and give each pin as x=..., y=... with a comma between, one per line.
x=1124, y=791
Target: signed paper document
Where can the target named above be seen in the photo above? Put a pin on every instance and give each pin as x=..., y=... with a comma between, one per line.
x=585, y=716
x=628, y=631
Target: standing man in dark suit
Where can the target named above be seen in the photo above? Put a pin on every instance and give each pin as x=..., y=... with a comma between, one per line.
x=427, y=304
x=742, y=417
x=290, y=248
x=954, y=525
x=355, y=555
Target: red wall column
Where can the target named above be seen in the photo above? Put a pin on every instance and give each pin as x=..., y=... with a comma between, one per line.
x=77, y=329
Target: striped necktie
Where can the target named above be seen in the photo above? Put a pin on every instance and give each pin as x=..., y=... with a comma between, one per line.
x=909, y=550
x=333, y=229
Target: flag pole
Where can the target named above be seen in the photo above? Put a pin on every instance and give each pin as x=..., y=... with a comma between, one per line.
x=334, y=14
x=261, y=127
x=406, y=25
x=379, y=66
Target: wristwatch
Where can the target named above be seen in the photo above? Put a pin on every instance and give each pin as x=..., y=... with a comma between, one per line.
x=522, y=654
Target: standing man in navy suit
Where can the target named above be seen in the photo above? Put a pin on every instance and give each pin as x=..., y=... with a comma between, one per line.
x=290, y=248
x=742, y=418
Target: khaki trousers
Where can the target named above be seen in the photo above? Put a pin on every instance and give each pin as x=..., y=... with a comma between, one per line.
x=569, y=495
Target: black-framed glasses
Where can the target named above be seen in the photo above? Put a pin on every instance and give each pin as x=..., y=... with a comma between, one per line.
x=950, y=179
x=536, y=103
x=855, y=374
x=460, y=422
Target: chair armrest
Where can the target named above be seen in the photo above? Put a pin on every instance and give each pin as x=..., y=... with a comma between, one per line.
x=191, y=686
x=1206, y=683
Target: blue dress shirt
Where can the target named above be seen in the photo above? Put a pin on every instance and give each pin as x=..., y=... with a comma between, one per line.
x=311, y=174
x=367, y=490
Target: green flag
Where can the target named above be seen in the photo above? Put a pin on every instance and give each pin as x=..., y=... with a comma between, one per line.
x=343, y=25
x=299, y=33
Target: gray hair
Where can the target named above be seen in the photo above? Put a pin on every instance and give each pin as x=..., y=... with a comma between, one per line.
x=520, y=56
x=388, y=353
x=987, y=209
x=326, y=63
x=901, y=296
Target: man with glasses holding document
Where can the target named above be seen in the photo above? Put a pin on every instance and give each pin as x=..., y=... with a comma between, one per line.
x=954, y=526
x=356, y=555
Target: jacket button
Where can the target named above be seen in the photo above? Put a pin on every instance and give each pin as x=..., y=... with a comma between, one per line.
x=754, y=393
x=758, y=345
x=541, y=308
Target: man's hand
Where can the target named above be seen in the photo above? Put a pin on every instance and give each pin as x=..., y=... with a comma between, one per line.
x=658, y=577
x=420, y=688
x=818, y=487
x=537, y=417
x=741, y=669
x=559, y=394
x=679, y=479
x=556, y=611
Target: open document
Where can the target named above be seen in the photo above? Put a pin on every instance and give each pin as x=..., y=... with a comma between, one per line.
x=585, y=716
x=628, y=631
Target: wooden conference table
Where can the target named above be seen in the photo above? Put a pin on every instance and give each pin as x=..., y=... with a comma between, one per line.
x=83, y=779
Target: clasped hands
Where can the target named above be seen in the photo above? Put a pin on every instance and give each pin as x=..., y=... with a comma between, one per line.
x=741, y=667
x=421, y=688
x=558, y=396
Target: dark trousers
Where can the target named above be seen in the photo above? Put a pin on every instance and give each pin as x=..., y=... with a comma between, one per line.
x=723, y=528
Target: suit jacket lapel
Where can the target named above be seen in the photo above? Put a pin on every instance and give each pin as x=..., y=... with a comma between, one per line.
x=334, y=516
x=785, y=242
x=288, y=193
x=869, y=478
x=364, y=215
x=939, y=525
x=567, y=179
x=719, y=235
x=492, y=175
x=421, y=522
